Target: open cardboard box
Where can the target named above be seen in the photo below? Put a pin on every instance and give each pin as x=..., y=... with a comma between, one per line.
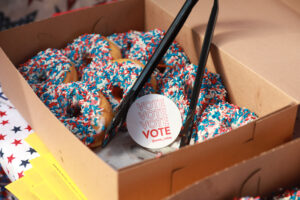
x=261, y=176
x=155, y=178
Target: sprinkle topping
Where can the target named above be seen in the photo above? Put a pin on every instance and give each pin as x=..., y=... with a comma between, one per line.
x=77, y=104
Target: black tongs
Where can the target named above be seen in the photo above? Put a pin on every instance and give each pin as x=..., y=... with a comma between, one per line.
x=187, y=130
x=169, y=37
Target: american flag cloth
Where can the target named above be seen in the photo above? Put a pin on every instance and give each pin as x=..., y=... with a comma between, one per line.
x=5, y=194
x=15, y=153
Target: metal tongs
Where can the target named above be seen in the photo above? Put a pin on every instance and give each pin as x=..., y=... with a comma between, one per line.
x=169, y=37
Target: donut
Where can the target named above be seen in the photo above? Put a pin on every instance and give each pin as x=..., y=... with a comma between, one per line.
x=82, y=108
x=124, y=41
x=153, y=80
x=91, y=48
x=145, y=44
x=104, y=78
x=212, y=90
x=220, y=118
x=173, y=88
x=178, y=86
x=49, y=67
x=291, y=194
x=116, y=78
x=114, y=50
x=140, y=46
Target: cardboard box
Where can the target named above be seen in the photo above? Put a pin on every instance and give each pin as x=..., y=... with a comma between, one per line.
x=156, y=178
x=293, y=5
x=259, y=176
x=262, y=35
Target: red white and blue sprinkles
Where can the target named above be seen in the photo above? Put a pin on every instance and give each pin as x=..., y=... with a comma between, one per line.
x=141, y=45
x=220, y=118
x=88, y=49
x=214, y=116
x=120, y=74
x=77, y=106
x=47, y=68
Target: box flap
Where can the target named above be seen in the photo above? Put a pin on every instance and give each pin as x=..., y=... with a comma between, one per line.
x=293, y=4
x=257, y=139
x=262, y=35
x=258, y=176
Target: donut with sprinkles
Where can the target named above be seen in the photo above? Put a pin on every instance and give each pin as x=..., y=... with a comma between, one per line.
x=179, y=85
x=220, y=118
x=140, y=46
x=212, y=89
x=49, y=67
x=91, y=48
x=106, y=69
x=116, y=78
x=82, y=108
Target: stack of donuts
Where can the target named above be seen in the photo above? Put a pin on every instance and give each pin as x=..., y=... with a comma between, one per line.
x=83, y=84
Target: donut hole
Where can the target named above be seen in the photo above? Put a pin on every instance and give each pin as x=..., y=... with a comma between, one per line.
x=42, y=77
x=162, y=67
x=117, y=93
x=129, y=45
x=87, y=59
x=188, y=90
x=74, y=110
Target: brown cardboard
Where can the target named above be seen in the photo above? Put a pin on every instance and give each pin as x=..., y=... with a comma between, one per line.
x=156, y=178
x=292, y=4
x=262, y=175
x=263, y=36
x=187, y=175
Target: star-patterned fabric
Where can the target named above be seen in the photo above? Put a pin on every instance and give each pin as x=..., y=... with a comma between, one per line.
x=4, y=194
x=15, y=153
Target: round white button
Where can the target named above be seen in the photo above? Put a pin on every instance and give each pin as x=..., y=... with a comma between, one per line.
x=153, y=121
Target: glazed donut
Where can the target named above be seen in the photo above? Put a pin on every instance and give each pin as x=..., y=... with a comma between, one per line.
x=49, y=67
x=219, y=118
x=91, y=48
x=82, y=108
x=116, y=78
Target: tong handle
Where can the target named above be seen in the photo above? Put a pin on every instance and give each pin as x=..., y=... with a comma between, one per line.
x=149, y=68
x=164, y=44
x=188, y=127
